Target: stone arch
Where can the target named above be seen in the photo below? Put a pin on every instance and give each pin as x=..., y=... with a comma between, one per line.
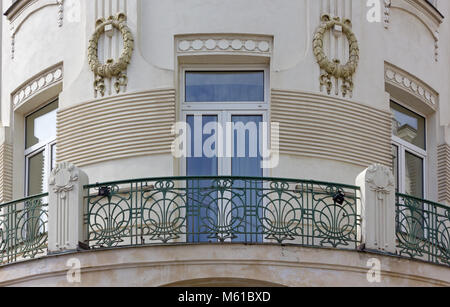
x=223, y=282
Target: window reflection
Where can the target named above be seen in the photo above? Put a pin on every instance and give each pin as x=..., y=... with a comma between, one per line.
x=408, y=126
x=232, y=86
x=41, y=125
x=40, y=151
x=414, y=175
x=37, y=174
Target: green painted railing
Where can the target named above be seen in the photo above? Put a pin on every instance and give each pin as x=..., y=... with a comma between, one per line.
x=23, y=229
x=221, y=210
x=423, y=229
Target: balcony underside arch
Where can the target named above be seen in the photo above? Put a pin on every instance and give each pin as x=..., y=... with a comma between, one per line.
x=200, y=263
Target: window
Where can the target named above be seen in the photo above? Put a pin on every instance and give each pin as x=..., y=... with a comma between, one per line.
x=40, y=148
x=408, y=150
x=219, y=97
x=224, y=86
x=231, y=95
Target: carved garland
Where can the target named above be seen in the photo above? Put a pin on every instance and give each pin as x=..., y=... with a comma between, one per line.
x=111, y=68
x=62, y=178
x=334, y=68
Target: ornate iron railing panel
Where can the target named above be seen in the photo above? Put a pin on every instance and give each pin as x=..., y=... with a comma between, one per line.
x=423, y=229
x=221, y=209
x=23, y=229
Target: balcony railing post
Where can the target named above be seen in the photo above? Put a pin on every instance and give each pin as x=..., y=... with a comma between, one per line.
x=65, y=213
x=377, y=208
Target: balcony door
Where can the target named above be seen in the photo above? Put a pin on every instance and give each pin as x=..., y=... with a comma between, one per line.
x=225, y=111
x=40, y=151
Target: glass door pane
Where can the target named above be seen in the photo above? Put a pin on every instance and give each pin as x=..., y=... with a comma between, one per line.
x=414, y=186
x=41, y=125
x=37, y=174
x=201, y=197
x=395, y=166
x=36, y=184
x=414, y=183
x=246, y=161
x=53, y=154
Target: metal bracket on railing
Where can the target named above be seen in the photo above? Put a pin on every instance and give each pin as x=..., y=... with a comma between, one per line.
x=339, y=198
x=104, y=191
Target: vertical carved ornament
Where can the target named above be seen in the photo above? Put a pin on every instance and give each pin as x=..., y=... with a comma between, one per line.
x=333, y=68
x=112, y=68
x=61, y=182
x=381, y=183
x=387, y=13
x=60, y=12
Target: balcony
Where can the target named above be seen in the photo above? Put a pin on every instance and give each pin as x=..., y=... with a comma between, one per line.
x=222, y=211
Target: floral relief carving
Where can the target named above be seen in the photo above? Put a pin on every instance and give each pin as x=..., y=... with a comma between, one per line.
x=380, y=178
x=112, y=68
x=62, y=179
x=333, y=68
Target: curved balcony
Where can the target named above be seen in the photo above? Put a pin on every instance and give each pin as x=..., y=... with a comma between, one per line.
x=23, y=229
x=223, y=210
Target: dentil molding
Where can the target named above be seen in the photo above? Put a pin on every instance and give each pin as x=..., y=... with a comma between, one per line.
x=38, y=83
x=400, y=78
x=223, y=44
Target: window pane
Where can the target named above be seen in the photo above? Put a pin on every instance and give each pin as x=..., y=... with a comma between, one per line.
x=408, y=126
x=198, y=164
x=224, y=86
x=36, y=174
x=414, y=175
x=53, y=153
x=246, y=161
x=395, y=166
x=41, y=125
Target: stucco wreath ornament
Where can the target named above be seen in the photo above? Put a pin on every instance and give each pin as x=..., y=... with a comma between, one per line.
x=333, y=68
x=112, y=68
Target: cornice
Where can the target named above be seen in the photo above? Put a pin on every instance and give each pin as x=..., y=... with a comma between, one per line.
x=38, y=83
x=409, y=83
x=430, y=17
x=17, y=7
x=21, y=11
x=422, y=10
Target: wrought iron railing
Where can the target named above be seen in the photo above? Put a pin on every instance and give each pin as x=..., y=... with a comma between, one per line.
x=221, y=210
x=23, y=229
x=423, y=229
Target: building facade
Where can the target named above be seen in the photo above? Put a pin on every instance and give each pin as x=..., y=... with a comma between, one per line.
x=150, y=142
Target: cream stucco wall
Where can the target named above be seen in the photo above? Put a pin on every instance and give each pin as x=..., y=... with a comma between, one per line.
x=39, y=43
x=48, y=42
